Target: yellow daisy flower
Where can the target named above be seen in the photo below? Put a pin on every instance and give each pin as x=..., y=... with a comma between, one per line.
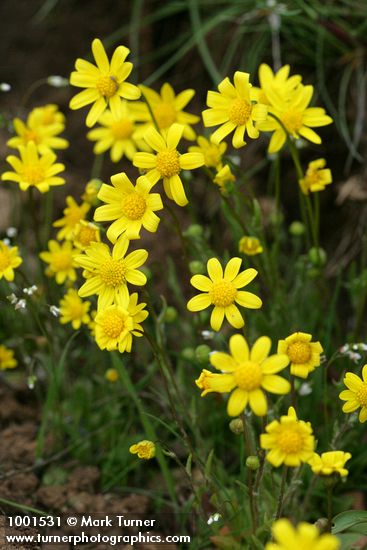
x=45, y=137
x=167, y=108
x=144, y=449
x=108, y=274
x=221, y=291
x=105, y=82
x=304, y=536
x=131, y=207
x=47, y=115
x=330, y=463
x=356, y=394
x=250, y=246
x=85, y=234
x=316, y=177
x=91, y=191
x=116, y=325
x=289, y=440
x=7, y=359
x=73, y=214
x=118, y=132
x=297, y=118
x=304, y=355
x=32, y=170
x=248, y=373
x=73, y=310
x=278, y=84
x=224, y=177
x=234, y=108
x=167, y=163
x=9, y=260
x=212, y=153
x=61, y=260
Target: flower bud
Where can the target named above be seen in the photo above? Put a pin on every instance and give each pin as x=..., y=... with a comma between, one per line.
x=202, y=354
x=196, y=267
x=297, y=229
x=236, y=426
x=194, y=231
x=112, y=375
x=188, y=354
x=317, y=256
x=252, y=462
x=170, y=315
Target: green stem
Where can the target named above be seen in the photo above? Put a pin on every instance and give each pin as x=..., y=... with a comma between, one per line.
x=148, y=426
x=281, y=493
x=14, y=504
x=329, y=509
x=250, y=482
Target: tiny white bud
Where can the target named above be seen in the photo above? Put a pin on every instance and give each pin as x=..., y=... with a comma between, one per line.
x=31, y=381
x=5, y=87
x=213, y=518
x=57, y=81
x=6, y=242
x=207, y=334
x=305, y=389
x=21, y=304
x=55, y=311
x=12, y=232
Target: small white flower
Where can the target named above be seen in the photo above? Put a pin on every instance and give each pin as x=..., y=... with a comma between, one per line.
x=6, y=241
x=12, y=232
x=31, y=290
x=55, y=311
x=57, y=81
x=207, y=334
x=5, y=87
x=354, y=356
x=12, y=298
x=344, y=349
x=213, y=518
x=21, y=304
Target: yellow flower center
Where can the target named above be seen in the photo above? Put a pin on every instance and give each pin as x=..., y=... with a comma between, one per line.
x=5, y=259
x=361, y=395
x=168, y=163
x=239, y=111
x=248, y=376
x=112, y=273
x=292, y=120
x=62, y=261
x=290, y=441
x=30, y=135
x=222, y=293
x=134, y=206
x=113, y=324
x=165, y=115
x=75, y=309
x=33, y=174
x=312, y=177
x=74, y=215
x=299, y=352
x=87, y=235
x=122, y=129
x=107, y=85
x=212, y=156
